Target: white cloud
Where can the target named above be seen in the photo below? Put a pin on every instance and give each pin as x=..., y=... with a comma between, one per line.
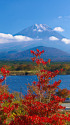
x=22, y=38
x=64, y=17
x=53, y=38
x=59, y=29
x=59, y=17
x=3, y=40
x=40, y=30
x=7, y=38
x=67, y=41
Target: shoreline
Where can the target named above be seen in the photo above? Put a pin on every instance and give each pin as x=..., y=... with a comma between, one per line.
x=21, y=73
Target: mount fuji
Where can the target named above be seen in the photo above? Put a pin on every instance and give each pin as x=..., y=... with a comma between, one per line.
x=43, y=35
x=37, y=35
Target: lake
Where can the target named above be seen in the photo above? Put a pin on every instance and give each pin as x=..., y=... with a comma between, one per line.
x=17, y=83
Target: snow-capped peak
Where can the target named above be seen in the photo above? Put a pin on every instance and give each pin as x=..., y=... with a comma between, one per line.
x=40, y=27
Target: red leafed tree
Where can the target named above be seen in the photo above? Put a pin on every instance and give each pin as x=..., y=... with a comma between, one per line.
x=63, y=93
x=41, y=104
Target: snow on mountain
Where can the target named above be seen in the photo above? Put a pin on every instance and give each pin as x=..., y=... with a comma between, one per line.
x=41, y=31
x=40, y=27
x=43, y=35
x=33, y=36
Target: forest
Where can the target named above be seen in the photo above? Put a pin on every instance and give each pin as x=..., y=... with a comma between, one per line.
x=29, y=67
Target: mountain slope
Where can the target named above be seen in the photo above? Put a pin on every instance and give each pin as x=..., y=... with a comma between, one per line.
x=41, y=34
x=39, y=31
x=52, y=53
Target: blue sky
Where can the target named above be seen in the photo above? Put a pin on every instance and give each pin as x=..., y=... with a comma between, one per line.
x=16, y=15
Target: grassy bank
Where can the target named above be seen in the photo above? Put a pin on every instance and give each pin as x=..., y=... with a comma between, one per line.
x=22, y=72
x=32, y=72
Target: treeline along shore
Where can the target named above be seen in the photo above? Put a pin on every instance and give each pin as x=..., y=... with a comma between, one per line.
x=30, y=68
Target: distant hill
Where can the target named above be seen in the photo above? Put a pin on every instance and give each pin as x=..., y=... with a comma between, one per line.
x=52, y=53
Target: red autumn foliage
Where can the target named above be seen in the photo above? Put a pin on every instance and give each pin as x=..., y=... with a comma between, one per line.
x=41, y=106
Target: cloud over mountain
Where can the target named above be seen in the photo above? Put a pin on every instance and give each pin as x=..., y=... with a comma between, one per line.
x=59, y=29
x=22, y=38
x=65, y=40
x=53, y=38
x=59, y=17
x=33, y=36
x=7, y=38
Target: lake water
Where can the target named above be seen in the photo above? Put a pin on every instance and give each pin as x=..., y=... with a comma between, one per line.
x=17, y=83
